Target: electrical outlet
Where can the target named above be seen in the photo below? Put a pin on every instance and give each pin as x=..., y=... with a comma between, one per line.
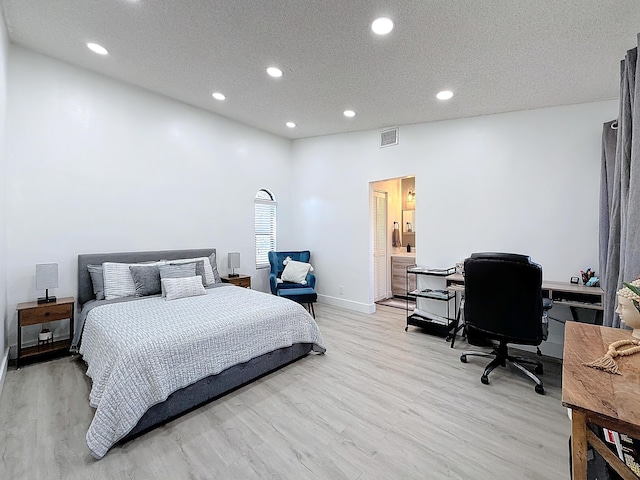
x=340, y=289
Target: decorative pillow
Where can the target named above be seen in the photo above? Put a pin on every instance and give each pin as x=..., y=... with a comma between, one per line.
x=176, y=271
x=96, y=279
x=211, y=277
x=182, y=287
x=199, y=269
x=146, y=279
x=214, y=267
x=295, y=272
x=118, y=282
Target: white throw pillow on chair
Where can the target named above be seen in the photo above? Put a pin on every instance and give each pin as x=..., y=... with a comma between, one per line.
x=295, y=272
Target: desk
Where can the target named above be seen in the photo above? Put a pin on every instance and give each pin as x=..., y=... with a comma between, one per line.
x=562, y=293
x=597, y=397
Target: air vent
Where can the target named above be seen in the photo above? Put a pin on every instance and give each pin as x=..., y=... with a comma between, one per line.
x=389, y=137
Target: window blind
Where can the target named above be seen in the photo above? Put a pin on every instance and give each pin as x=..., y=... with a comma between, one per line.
x=265, y=230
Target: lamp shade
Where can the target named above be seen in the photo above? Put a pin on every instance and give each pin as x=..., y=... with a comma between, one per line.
x=46, y=276
x=233, y=260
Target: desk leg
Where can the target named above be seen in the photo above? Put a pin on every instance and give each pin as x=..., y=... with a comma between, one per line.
x=579, y=445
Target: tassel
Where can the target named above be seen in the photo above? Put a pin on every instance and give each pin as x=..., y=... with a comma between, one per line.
x=606, y=364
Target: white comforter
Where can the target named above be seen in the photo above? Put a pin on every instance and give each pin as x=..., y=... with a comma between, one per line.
x=139, y=352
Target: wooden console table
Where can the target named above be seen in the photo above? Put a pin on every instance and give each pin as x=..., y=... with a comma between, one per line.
x=596, y=397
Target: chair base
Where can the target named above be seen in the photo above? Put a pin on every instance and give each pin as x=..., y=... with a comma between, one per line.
x=501, y=354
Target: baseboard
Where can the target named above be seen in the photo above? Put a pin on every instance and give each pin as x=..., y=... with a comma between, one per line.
x=348, y=304
x=3, y=369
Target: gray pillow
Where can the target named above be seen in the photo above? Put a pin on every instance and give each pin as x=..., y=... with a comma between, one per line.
x=199, y=270
x=146, y=279
x=97, y=281
x=214, y=267
x=177, y=271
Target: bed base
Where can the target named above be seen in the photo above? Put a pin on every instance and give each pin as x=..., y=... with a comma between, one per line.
x=215, y=386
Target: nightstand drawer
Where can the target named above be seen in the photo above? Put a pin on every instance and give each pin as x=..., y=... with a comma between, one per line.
x=243, y=282
x=43, y=315
x=239, y=281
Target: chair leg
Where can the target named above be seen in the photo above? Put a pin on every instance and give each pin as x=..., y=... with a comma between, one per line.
x=501, y=357
x=539, y=387
x=313, y=312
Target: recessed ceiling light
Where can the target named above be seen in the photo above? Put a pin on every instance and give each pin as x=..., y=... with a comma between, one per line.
x=444, y=95
x=382, y=25
x=99, y=49
x=290, y=125
x=274, y=72
x=218, y=96
x=349, y=113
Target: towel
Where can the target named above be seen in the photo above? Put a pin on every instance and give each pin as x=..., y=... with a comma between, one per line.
x=395, y=237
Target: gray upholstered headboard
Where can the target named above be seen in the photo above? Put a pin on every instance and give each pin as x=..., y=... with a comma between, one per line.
x=85, y=287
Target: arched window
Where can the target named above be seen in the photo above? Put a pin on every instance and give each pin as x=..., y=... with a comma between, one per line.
x=265, y=226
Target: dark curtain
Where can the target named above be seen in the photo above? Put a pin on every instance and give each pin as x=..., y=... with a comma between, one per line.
x=620, y=192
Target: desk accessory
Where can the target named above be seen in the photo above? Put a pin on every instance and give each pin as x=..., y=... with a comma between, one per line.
x=607, y=363
x=575, y=280
x=46, y=278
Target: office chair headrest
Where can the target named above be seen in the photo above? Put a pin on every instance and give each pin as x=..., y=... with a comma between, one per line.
x=510, y=257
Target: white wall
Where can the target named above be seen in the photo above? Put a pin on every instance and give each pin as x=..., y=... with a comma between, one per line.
x=95, y=165
x=524, y=182
x=4, y=47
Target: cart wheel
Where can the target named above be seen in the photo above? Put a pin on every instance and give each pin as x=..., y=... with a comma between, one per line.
x=540, y=389
x=463, y=358
x=484, y=379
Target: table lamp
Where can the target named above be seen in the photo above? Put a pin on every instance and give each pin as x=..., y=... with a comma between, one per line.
x=46, y=278
x=233, y=262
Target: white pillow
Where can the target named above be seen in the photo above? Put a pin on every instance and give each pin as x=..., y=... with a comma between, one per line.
x=210, y=279
x=295, y=272
x=118, y=282
x=182, y=287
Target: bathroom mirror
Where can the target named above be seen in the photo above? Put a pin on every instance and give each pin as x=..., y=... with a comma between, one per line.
x=408, y=221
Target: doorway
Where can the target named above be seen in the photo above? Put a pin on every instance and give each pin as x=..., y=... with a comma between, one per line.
x=392, y=204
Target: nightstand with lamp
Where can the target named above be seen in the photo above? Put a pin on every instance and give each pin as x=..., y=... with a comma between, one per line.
x=233, y=262
x=44, y=310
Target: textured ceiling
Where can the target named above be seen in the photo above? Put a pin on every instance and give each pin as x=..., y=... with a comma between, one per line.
x=496, y=55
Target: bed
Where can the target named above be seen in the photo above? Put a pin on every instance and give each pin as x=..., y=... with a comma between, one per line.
x=151, y=360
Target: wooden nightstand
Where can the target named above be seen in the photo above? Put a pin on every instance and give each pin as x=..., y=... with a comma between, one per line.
x=33, y=313
x=240, y=280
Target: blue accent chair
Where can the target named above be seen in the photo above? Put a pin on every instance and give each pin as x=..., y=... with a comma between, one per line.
x=276, y=259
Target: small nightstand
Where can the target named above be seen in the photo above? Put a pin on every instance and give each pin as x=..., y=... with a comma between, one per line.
x=240, y=280
x=33, y=313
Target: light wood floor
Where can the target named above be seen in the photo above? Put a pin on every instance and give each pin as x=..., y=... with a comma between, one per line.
x=381, y=404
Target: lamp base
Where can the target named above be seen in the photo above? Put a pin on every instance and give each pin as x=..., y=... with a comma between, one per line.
x=46, y=299
x=234, y=275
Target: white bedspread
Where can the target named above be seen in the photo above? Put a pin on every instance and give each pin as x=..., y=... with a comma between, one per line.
x=140, y=352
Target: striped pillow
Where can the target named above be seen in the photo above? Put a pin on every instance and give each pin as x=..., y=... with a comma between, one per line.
x=210, y=272
x=182, y=287
x=118, y=282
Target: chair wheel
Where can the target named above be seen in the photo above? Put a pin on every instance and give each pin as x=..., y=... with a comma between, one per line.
x=463, y=358
x=539, y=370
x=406, y=328
x=540, y=389
x=484, y=379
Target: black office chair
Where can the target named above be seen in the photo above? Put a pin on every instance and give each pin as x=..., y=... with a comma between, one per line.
x=503, y=303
